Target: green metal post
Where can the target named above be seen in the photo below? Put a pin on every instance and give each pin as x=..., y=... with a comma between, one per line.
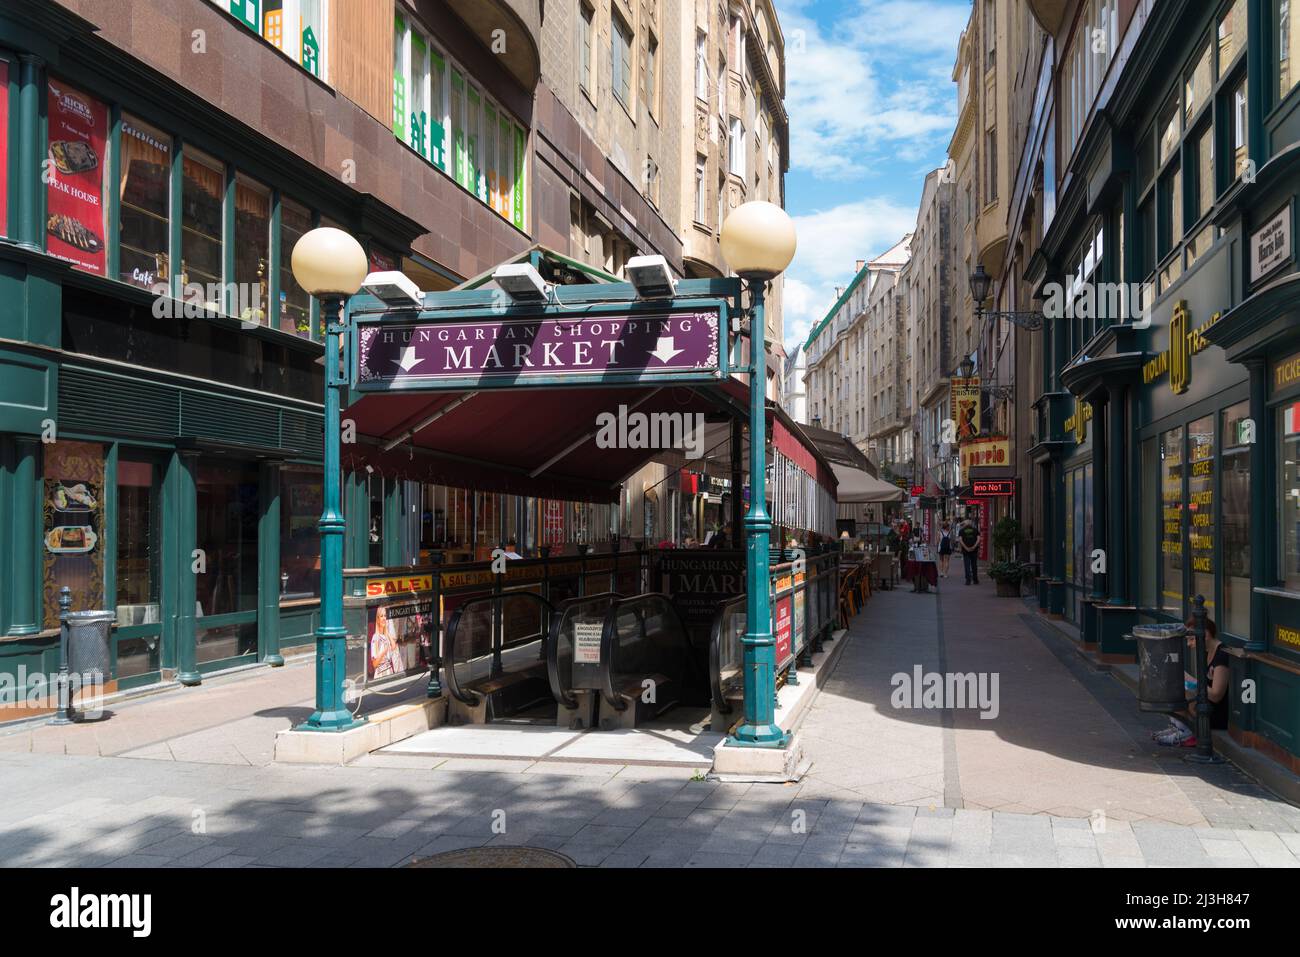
x=30, y=152
x=331, y=712
x=759, y=728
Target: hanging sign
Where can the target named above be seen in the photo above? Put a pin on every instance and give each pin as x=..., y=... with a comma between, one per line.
x=965, y=406
x=986, y=450
x=1270, y=245
x=485, y=352
x=78, y=138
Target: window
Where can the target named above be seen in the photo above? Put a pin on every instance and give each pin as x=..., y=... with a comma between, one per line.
x=1232, y=35
x=226, y=513
x=1288, y=487
x=459, y=173
x=1234, y=527
x=990, y=27
x=475, y=173
x=1197, y=87
x=295, y=27
x=252, y=250
x=736, y=158
x=1238, y=123
x=1200, y=509
x=701, y=190
x=621, y=61
x=400, y=39
x=300, y=509
x=418, y=124
x=202, y=192
x=490, y=157
x=586, y=26
x=651, y=76
x=1171, y=539
x=1288, y=46
x=295, y=304
x=437, y=110
x=990, y=167
x=144, y=221
x=701, y=65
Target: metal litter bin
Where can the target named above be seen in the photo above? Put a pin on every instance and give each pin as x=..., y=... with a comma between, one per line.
x=88, y=642
x=1161, y=652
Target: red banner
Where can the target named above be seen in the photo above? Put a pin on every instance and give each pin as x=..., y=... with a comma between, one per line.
x=78, y=140
x=783, y=632
x=4, y=147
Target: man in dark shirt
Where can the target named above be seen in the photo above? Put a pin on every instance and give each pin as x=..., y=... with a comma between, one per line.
x=968, y=539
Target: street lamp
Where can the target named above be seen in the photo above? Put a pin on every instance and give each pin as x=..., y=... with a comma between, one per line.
x=331, y=266
x=966, y=367
x=758, y=243
x=981, y=283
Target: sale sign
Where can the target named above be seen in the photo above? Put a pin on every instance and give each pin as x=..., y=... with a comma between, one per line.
x=74, y=172
x=784, y=632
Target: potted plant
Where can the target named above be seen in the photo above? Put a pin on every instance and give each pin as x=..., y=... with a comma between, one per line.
x=1007, y=576
x=1006, y=570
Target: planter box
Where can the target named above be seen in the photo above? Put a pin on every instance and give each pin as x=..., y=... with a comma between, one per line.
x=1008, y=589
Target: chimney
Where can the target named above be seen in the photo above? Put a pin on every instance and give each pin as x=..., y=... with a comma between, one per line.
x=861, y=263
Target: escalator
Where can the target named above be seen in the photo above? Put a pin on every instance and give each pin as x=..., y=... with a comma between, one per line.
x=624, y=661
x=495, y=659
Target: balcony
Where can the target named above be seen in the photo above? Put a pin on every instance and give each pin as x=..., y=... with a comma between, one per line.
x=521, y=24
x=1048, y=13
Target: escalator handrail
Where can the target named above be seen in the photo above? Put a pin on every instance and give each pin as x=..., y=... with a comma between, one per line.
x=608, y=691
x=465, y=695
x=715, y=653
x=562, y=694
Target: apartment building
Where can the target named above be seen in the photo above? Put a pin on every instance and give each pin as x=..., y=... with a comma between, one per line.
x=836, y=378
x=735, y=135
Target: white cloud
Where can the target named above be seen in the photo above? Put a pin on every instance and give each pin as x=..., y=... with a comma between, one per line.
x=869, y=83
x=830, y=243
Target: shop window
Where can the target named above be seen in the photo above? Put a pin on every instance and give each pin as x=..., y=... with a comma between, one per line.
x=400, y=39
x=1200, y=509
x=295, y=303
x=1171, y=511
x=202, y=193
x=252, y=250
x=1234, y=525
x=72, y=529
x=1197, y=86
x=301, y=502
x=1288, y=486
x=145, y=191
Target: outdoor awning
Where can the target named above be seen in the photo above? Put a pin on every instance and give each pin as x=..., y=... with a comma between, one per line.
x=857, y=487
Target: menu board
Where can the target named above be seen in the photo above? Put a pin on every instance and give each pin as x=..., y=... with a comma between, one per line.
x=74, y=172
x=4, y=147
x=72, y=507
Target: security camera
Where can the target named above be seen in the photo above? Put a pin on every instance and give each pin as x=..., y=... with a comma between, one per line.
x=650, y=276
x=394, y=289
x=522, y=283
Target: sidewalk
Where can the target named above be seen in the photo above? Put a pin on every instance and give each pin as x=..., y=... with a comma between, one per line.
x=1067, y=740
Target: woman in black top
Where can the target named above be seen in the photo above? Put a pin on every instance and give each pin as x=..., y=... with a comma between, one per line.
x=1217, y=675
x=945, y=550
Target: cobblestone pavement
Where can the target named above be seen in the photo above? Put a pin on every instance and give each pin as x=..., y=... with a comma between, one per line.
x=1063, y=776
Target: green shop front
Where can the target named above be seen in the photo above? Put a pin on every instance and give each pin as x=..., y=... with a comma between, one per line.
x=160, y=375
x=1168, y=424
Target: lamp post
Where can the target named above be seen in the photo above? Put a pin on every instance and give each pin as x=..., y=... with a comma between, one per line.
x=758, y=242
x=331, y=266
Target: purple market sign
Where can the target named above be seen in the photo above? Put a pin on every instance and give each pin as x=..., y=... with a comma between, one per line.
x=534, y=351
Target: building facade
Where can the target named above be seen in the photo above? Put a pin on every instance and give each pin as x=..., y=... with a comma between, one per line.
x=1167, y=420
x=160, y=416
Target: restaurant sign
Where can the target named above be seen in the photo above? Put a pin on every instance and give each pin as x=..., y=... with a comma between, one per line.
x=985, y=450
x=565, y=351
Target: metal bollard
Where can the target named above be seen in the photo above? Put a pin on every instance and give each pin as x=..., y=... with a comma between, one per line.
x=63, y=715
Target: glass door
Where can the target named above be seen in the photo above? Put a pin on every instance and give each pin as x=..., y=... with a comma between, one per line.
x=227, y=512
x=137, y=636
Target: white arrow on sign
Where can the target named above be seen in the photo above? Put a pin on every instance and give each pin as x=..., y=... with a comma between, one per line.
x=664, y=350
x=408, y=360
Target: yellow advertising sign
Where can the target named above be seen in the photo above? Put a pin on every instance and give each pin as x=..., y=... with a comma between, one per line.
x=398, y=585
x=985, y=450
x=1078, y=423
x=964, y=406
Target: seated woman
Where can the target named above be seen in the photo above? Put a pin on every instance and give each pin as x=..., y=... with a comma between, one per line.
x=1217, y=670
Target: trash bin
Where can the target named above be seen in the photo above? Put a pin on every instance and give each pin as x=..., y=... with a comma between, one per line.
x=88, y=643
x=1161, y=650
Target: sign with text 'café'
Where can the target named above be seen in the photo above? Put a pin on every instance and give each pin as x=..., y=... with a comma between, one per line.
x=486, y=352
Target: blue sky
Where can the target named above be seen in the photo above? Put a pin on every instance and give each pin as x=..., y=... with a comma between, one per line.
x=872, y=105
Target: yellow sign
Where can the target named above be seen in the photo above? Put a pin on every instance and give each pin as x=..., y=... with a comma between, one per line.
x=1176, y=360
x=1286, y=372
x=399, y=585
x=985, y=450
x=1078, y=423
x=964, y=402
x=1288, y=636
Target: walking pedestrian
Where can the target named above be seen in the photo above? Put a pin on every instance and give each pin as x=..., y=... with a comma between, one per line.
x=945, y=550
x=969, y=541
